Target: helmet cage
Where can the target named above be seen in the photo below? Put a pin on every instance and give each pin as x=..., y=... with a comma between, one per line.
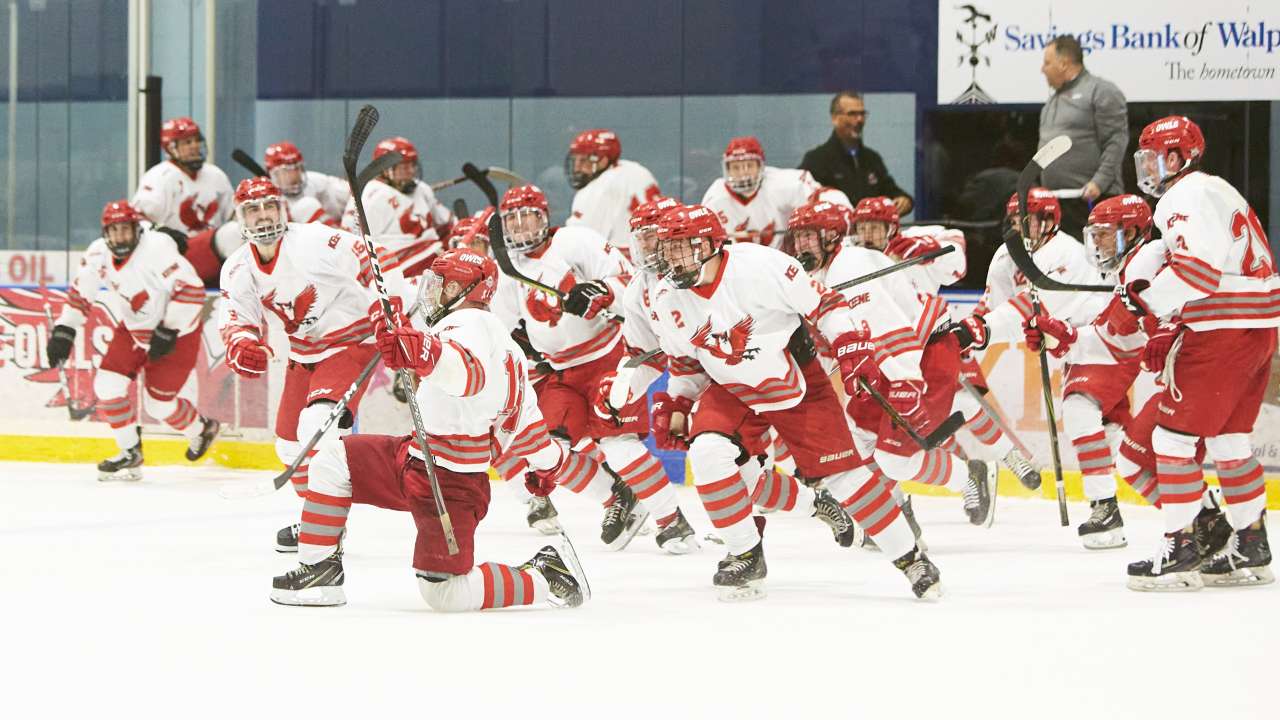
x=263, y=234
x=521, y=239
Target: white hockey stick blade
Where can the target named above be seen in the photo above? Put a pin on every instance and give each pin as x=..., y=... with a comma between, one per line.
x=620, y=390
x=244, y=491
x=1051, y=151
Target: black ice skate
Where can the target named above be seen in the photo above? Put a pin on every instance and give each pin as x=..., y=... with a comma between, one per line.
x=834, y=516
x=926, y=580
x=1105, y=528
x=562, y=577
x=200, y=444
x=318, y=585
x=741, y=577
x=622, y=519
x=543, y=516
x=1244, y=562
x=678, y=537
x=1028, y=474
x=980, y=493
x=287, y=539
x=1212, y=530
x=1175, y=568
x=127, y=465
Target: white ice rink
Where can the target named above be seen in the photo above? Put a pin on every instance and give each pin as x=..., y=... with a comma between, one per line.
x=150, y=600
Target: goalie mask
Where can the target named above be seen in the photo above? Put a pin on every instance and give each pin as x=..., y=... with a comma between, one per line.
x=120, y=228
x=261, y=211
x=815, y=231
x=284, y=167
x=688, y=236
x=1116, y=226
x=454, y=277
x=1044, y=213
x=591, y=153
x=525, y=220
x=743, y=166
x=1167, y=149
x=644, y=234
x=875, y=222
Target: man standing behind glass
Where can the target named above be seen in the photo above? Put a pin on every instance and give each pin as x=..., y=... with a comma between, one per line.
x=844, y=163
x=1092, y=112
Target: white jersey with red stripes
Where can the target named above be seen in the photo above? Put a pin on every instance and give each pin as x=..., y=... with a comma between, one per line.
x=1007, y=301
x=170, y=196
x=949, y=269
x=319, y=286
x=605, y=204
x=153, y=286
x=571, y=255
x=323, y=198
x=1221, y=273
x=761, y=218
x=639, y=330
x=406, y=228
x=479, y=397
x=1095, y=343
x=735, y=330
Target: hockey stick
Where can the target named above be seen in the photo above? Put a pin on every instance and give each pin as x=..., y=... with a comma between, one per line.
x=360, y=131
x=948, y=427
x=379, y=165
x=1047, y=154
x=502, y=174
x=621, y=387
x=76, y=413
x=246, y=161
x=894, y=268
x=994, y=416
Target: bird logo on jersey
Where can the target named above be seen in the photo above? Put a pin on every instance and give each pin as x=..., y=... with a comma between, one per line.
x=414, y=224
x=195, y=216
x=546, y=308
x=763, y=237
x=293, y=314
x=736, y=338
x=137, y=301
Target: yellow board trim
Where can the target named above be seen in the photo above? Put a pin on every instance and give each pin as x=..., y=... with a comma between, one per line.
x=158, y=451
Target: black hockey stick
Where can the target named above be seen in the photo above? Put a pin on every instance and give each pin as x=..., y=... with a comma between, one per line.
x=894, y=268
x=361, y=129
x=246, y=161
x=948, y=427
x=76, y=412
x=502, y=174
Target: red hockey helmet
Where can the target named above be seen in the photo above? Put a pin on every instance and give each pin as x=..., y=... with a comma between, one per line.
x=471, y=233
x=261, y=211
x=396, y=144
x=284, y=165
x=875, y=222
x=1116, y=226
x=815, y=231
x=120, y=227
x=283, y=153
x=1175, y=134
x=644, y=233
x=688, y=236
x=455, y=276
x=179, y=128
x=404, y=175
x=1042, y=207
x=120, y=211
x=189, y=156
x=525, y=218
x=743, y=165
x=591, y=152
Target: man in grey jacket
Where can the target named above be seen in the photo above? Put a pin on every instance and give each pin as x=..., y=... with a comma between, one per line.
x=1092, y=112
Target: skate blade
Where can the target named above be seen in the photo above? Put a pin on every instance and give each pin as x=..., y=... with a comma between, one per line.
x=992, y=478
x=634, y=523
x=286, y=548
x=1173, y=582
x=681, y=546
x=933, y=594
x=1108, y=540
x=749, y=592
x=128, y=475
x=713, y=538
x=761, y=510
x=1240, y=577
x=325, y=596
x=570, y=556
x=547, y=526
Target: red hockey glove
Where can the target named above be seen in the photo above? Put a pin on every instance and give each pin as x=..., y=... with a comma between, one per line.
x=247, y=356
x=1050, y=333
x=856, y=354
x=1156, y=353
x=664, y=408
x=907, y=397
x=971, y=332
x=406, y=347
x=378, y=319
x=541, y=482
x=588, y=299
x=905, y=248
x=600, y=399
x=1131, y=296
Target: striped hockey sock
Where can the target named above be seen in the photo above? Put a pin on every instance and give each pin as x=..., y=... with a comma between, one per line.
x=728, y=505
x=499, y=586
x=324, y=517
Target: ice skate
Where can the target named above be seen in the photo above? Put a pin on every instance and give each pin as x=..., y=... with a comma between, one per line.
x=979, y=493
x=125, y=466
x=1027, y=473
x=1244, y=562
x=834, y=516
x=622, y=519
x=562, y=578
x=200, y=444
x=740, y=578
x=543, y=516
x=1104, y=529
x=926, y=580
x=287, y=539
x=318, y=585
x=678, y=537
x=1175, y=567
x=1212, y=530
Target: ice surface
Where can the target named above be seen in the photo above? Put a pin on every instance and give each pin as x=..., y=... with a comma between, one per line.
x=151, y=599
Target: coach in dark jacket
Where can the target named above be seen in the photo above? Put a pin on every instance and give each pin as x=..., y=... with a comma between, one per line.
x=844, y=163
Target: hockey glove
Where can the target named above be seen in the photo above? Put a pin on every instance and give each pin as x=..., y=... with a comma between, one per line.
x=1131, y=296
x=600, y=400
x=406, y=347
x=665, y=408
x=905, y=248
x=540, y=483
x=907, y=397
x=856, y=354
x=587, y=300
x=378, y=318
x=247, y=356
x=1156, y=353
x=971, y=332
x=60, y=341
x=162, y=342
x=1049, y=333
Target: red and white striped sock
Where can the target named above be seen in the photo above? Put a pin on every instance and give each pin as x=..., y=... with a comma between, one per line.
x=582, y=474
x=324, y=517
x=1244, y=490
x=777, y=491
x=184, y=416
x=985, y=431
x=1093, y=453
x=498, y=586
x=302, y=474
x=728, y=505
x=646, y=477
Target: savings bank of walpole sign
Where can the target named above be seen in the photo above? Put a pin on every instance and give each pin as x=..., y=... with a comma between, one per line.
x=989, y=51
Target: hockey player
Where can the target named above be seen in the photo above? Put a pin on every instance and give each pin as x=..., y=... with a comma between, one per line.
x=406, y=220
x=312, y=196
x=608, y=187
x=316, y=281
x=156, y=298
x=754, y=200
x=1217, y=298
x=732, y=320
x=474, y=381
x=581, y=343
x=184, y=192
